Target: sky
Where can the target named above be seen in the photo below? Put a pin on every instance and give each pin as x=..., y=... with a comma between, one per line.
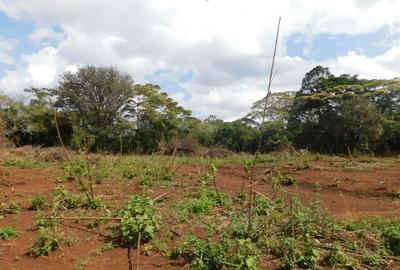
x=212, y=56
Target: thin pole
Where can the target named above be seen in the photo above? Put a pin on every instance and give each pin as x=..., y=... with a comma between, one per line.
x=271, y=74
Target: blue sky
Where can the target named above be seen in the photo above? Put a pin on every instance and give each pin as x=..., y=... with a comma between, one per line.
x=322, y=46
x=20, y=31
x=209, y=63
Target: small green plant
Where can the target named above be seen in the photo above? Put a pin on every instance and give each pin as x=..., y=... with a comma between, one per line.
x=138, y=217
x=207, y=254
x=64, y=200
x=155, y=174
x=204, y=203
x=247, y=256
x=45, y=243
x=396, y=193
x=46, y=223
x=37, y=202
x=107, y=246
x=93, y=203
x=337, y=257
x=289, y=180
x=7, y=233
x=391, y=237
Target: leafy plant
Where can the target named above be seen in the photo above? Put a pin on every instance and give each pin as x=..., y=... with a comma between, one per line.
x=138, y=216
x=7, y=233
x=45, y=243
x=391, y=237
x=65, y=199
x=93, y=203
x=37, y=202
x=247, y=256
x=337, y=257
x=207, y=254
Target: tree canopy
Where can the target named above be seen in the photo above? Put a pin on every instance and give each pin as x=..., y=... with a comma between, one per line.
x=101, y=108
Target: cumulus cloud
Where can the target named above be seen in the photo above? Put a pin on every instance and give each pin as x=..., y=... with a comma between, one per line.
x=226, y=45
x=40, y=71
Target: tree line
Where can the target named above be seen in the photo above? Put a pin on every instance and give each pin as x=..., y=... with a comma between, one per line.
x=102, y=109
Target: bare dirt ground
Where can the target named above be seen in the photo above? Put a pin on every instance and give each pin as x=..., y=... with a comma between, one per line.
x=347, y=192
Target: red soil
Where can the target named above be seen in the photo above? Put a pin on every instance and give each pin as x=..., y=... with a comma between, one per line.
x=347, y=193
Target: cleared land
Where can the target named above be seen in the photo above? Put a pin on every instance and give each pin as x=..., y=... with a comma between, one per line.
x=348, y=188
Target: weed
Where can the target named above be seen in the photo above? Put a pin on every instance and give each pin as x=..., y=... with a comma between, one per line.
x=138, y=216
x=247, y=256
x=93, y=203
x=37, y=202
x=7, y=233
x=45, y=243
x=289, y=181
x=107, y=246
x=391, y=237
x=396, y=193
x=337, y=257
x=204, y=203
x=46, y=223
x=207, y=254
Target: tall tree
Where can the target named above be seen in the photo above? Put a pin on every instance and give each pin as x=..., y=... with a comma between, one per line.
x=98, y=96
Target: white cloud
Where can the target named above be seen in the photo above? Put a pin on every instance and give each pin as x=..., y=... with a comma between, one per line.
x=45, y=35
x=40, y=71
x=384, y=66
x=6, y=45
x=227, y=44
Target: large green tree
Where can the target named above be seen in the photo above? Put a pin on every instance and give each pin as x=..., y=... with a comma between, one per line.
x=97, y=97
x=337, y=114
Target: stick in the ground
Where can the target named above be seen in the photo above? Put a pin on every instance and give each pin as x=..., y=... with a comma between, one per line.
x=138, y=252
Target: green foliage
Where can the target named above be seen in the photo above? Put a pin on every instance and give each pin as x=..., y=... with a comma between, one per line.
x=221, y=253
x=64, y=199
x=247, y=256
x=207, y=200
x=391, y=237
x=107, y=246
x=45, y=243
x=239, y=227
x=156, y=174
x=337, y=257
x=37, y=202
x=102, y=109
x=338, y=114
x=207, y=254
x=138, y=216
x=6, y=233
x=295, y=253
x=43, y=224
x=93, y=203
x=396, y=193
